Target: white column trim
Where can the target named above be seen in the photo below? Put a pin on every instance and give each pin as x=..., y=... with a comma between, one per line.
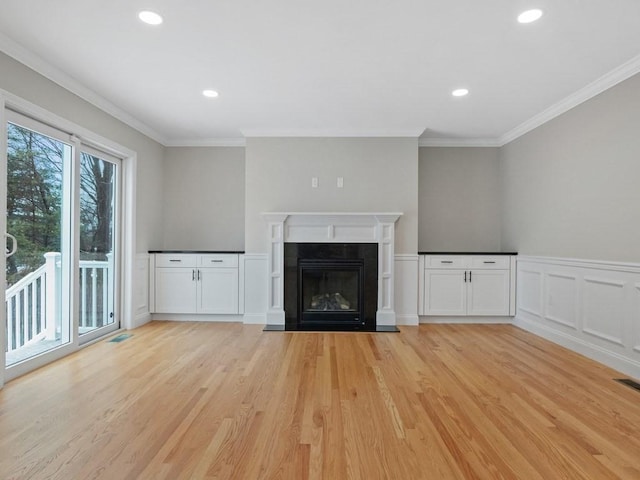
x=275, y=236
x=143, y=276
x=406, y=292
x=386, y=314
x=255, y=287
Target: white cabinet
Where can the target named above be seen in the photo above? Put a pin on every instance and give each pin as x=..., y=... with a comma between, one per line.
x=217, y=279
x=445, y=293
x=175, y=290
x=196, y=283
x=467, y=285
x=488, y=292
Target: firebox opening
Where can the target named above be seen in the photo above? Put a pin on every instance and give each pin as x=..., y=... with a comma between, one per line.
x=330, y=290
x=330, y=286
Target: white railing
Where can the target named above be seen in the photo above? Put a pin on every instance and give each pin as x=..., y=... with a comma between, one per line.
x=96, y=293
x=34, y=310
x=26, y=319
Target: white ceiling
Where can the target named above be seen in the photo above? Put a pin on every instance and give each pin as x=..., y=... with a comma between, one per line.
x=328, y=68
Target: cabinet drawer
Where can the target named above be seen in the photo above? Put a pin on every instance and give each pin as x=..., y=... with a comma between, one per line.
x=487, y=261
x=218, y=261
x=446, y=261
x=177, y=260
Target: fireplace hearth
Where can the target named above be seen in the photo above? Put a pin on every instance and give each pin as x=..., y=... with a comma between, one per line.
x=330, y=286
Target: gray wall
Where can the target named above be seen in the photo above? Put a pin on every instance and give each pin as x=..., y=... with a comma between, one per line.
x=33, y=87
x=203, y=198
x=571, y=187
x=380, y=175
x=459, y=197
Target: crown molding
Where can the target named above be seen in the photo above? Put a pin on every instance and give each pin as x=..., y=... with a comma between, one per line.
x=459, y=142
x=47, y=70
x=608, y=80
x=322, y=133
x=207, y=142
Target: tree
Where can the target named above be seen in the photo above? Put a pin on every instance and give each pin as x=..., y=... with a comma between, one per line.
x=34, y=197
x=35, y=200
x=96, y=206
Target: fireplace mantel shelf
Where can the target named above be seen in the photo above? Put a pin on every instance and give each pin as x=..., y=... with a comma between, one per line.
x=384, y=217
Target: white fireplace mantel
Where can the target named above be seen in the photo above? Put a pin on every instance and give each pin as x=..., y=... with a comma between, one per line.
x=331, y=227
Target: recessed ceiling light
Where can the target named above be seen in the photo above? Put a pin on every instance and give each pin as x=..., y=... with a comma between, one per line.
x=152, y=18
x=530, y=16
x=460, y=92
x=210, y=93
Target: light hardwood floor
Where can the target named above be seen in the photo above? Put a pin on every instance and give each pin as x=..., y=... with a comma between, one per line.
x=227, y=401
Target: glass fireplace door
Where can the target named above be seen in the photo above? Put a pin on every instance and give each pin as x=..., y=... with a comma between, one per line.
x=330, y=291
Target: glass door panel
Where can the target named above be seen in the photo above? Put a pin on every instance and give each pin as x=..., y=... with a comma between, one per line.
x=38, y=201
x=97, y=272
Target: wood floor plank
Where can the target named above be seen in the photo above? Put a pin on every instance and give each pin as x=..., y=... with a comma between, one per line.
x=195, y=400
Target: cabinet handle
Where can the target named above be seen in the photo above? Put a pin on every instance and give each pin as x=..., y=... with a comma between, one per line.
x=174, y=260
x=446, y=261
x=465, y=276
x=198, y=274
x=469, y=276
x=193, y=275
x=488, y=262
x=216, y=261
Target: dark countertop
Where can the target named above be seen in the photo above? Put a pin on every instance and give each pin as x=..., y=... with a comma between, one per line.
x=467, y=253
x=198, y=251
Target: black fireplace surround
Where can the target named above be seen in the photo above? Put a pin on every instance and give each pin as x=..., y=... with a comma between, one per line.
x=330, y=286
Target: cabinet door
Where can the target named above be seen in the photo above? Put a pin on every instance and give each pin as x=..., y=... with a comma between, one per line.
x=445, y=292
x=218, y=290
x=488, y=292
x=175, y=290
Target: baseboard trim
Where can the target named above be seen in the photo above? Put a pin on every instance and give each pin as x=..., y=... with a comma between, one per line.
x=466, y=320
x=141, y=319
x=196, y=317
x=255, y=319
x=407, y=319
x=589, y=350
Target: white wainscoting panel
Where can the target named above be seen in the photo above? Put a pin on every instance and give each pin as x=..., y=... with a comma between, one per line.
x=529, y=291
x=406, y=289
x=141, y=290
x=591, y=307
x=603, y=306
x=561, y=292
x=256, y=273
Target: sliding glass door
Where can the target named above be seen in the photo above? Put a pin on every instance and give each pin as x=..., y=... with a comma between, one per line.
x=62, y=261
x=37, y=272
x=99, y=183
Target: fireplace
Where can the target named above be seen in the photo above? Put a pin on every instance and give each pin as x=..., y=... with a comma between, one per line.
x=330, y=286
x=337, y=229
